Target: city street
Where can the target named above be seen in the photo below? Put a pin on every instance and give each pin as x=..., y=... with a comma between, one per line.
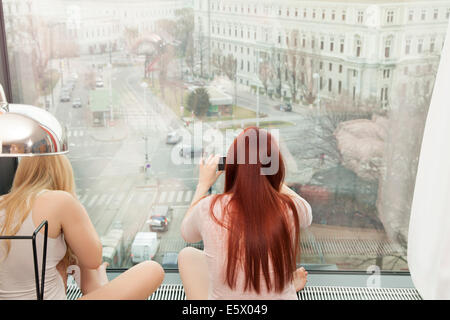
x=109, y=160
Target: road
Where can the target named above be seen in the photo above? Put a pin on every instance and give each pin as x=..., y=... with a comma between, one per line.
x=108, y=162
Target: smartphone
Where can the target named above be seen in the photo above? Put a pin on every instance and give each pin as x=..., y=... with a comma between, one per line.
x=221, y=165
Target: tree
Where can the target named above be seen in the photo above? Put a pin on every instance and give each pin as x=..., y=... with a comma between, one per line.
x=198, y=102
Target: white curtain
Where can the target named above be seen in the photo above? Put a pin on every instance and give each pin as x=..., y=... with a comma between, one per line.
x=429, y=228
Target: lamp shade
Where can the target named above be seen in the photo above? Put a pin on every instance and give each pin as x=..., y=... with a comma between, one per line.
x=29, y=131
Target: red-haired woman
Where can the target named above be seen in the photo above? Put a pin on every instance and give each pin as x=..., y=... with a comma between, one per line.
x=251, y=232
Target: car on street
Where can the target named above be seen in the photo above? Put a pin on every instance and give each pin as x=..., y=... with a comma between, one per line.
x=286, y=107
x=160, y=218
x=65, y=97
x=144, y=247
x=99, y=84
x=170, y=260
x=76, y=103
x=173, y=137
x=192, y=151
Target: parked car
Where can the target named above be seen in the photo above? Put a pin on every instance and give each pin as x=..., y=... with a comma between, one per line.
x=99, y=84
x=77, y=103
x=144, y=247
x=170, y=260
x=191, y=151
x=64, y=97
x=173, y=138
x=160, y=218
x=286, y=107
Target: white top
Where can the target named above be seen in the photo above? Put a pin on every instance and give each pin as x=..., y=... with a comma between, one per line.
x=17, y=279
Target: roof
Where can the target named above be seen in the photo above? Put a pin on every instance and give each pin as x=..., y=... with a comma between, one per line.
x=99, y=99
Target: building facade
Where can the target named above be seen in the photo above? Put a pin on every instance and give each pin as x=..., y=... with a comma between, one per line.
x=360, y=48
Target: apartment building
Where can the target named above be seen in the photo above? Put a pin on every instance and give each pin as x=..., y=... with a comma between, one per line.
x=367, y=49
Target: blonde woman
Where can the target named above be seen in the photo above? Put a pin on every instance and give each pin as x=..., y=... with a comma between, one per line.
x=44, y=189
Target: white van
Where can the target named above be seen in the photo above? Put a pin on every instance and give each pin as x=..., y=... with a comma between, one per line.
x=144, y=247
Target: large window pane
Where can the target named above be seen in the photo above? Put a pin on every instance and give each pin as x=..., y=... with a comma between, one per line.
x=347, y=86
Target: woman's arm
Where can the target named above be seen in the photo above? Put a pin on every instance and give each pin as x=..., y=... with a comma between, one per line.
x=208, y=175
x=79, y=232
x=190, y=229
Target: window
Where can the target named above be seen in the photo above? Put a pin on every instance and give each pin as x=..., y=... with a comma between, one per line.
x=358, y=47
x=387, y=48
x=420, y=46
x=360, y=17
x=390, y=16
x=408, y=46
x=113, y=181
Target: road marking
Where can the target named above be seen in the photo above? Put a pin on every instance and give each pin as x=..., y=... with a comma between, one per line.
x=109, y=199
x=143, y=198
x=162, y=198
x=102, y=199
x=171, y=196
x=82, y=200
x=179, y=196
x=94, y=198
x=188, y=196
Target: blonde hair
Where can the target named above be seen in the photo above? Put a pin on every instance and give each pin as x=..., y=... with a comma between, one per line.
x=33, y=175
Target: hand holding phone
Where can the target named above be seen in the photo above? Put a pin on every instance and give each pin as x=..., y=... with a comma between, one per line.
x=221, y=165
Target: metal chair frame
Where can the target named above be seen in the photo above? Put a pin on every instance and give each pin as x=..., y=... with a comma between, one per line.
x=39, y=288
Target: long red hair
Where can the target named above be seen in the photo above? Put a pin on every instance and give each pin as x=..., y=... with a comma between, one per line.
x=257, y=215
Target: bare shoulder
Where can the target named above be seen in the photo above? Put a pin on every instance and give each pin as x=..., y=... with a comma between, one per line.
x=56, y=198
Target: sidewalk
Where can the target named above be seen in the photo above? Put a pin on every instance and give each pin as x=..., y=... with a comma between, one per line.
x=115, y=133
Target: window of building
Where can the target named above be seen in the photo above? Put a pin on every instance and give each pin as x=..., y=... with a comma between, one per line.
x=420, y=46
x=423, y=14
x=387, y=48
x=411, y=15
x=407, y=46
x=390, y=16
x=351, y=206
x=360, y=17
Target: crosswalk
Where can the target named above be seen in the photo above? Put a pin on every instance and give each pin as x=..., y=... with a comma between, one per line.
x=77, y=132
x=174, y=197
x=104, y=199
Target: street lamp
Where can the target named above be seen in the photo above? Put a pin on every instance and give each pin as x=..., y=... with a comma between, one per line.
x=144, y=86
x=317, y=77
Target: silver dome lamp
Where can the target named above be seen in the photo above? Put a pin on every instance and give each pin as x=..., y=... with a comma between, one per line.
x=27, y=131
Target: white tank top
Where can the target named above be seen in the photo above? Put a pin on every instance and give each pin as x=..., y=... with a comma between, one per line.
x=17, y=280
